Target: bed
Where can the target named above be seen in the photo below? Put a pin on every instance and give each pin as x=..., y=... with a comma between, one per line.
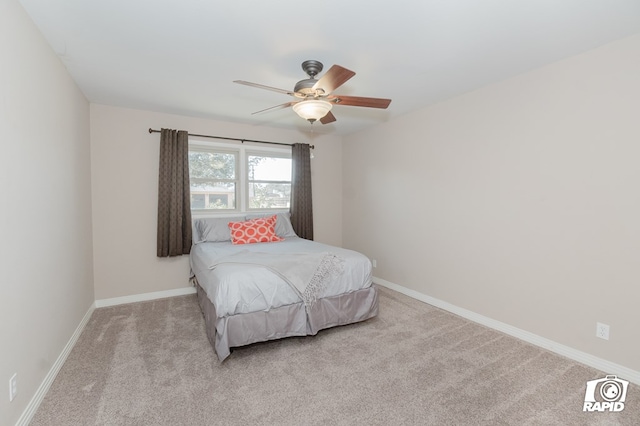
x=252, y=293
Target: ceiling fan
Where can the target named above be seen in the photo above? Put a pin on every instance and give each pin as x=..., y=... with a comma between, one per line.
x=314, y=98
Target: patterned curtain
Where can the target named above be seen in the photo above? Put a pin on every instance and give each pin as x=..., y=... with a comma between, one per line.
x=301, y=204
x=174, y=207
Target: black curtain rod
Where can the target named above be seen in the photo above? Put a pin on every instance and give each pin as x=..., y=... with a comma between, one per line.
x=233, y=139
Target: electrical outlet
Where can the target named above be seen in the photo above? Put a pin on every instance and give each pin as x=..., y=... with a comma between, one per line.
x=602, y=331
x=374, y=263
x=13, y=386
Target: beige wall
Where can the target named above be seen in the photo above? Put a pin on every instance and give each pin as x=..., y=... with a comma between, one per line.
x=46, y=284
x=124, y=167
x=519, y=201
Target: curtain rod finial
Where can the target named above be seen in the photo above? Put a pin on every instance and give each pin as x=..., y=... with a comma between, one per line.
x=150, y=130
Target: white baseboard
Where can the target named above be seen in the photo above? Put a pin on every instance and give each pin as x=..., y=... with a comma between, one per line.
x=32, y=407
x=607, y=367
x=101, y=303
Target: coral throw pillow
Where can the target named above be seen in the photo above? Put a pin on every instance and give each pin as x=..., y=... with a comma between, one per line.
x=261, y=230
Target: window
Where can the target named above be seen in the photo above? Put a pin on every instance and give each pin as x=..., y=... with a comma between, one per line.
x=213, y=175
x=231, y=178
x=269, y=181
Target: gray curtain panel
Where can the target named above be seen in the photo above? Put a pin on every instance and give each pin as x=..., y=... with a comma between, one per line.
x=301, y=204
x=174, y=206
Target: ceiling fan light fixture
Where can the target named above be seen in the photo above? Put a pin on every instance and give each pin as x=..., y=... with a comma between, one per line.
x=312, y=109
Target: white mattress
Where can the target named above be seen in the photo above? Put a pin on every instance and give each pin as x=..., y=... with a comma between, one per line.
x=236, y=289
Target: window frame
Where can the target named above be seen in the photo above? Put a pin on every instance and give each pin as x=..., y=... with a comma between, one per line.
x=242, y=153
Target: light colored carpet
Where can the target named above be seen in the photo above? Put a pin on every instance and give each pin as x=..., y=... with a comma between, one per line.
x=150, y=363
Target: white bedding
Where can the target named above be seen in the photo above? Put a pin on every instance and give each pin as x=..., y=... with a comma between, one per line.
x=236, y=288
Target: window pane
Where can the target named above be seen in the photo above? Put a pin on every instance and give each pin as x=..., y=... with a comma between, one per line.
x=213, y=195
x=197, y=201
x=212, y=165
x=269, y=168
x=269, y=195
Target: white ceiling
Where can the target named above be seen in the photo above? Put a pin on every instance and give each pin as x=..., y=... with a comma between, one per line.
x=182, y=56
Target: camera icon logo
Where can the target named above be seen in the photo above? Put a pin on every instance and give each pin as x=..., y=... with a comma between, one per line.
x=606, y=394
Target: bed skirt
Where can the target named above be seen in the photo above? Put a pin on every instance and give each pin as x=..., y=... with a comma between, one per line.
x=286, y=321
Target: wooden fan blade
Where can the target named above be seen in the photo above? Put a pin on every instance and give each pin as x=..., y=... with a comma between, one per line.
x=334, y=78
x=329, y=118
x=262, y=86
x=274, y=108
x=360, y=101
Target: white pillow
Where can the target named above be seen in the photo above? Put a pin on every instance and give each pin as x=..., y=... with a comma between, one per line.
x=284, y=228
